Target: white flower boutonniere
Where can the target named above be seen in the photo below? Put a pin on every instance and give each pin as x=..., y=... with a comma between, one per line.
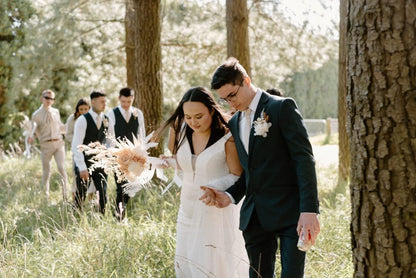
x=105, y=122
x=135, y=113
x=262, y=125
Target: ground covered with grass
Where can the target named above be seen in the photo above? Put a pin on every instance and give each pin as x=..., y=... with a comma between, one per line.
x=42, y=237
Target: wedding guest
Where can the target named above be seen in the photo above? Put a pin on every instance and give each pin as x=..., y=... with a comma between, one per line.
x=208, y=242
x=274, y=92
x=49, y=129
x=91, y=127
x=128, y=121
x=82, y=107
x=279, y=179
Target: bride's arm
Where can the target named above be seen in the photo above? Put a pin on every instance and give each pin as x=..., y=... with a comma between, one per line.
x=214, y=192
x=232, y=157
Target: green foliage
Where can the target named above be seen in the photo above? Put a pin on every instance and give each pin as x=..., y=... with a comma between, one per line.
x=315, y=91
x=73, y=47
x=14, y=16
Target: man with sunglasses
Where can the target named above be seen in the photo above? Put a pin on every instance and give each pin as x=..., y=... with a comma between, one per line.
x=49, y=129
x=279, y=179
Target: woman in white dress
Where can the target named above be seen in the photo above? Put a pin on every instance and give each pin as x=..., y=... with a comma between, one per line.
x=208, y=241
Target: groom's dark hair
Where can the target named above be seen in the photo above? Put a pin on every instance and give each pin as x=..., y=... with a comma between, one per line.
x=230, y=72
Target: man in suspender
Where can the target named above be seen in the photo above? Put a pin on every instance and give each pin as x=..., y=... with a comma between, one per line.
x=128, y=122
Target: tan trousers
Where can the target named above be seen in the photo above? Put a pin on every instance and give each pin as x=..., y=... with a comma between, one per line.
x=57, y=150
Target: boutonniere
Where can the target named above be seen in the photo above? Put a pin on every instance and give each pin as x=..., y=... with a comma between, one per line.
x=105, y=122
x=135, y=113
x=262, y=125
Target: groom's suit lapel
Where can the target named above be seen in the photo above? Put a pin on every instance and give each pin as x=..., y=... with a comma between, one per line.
x=239, y=144
x=260, y=108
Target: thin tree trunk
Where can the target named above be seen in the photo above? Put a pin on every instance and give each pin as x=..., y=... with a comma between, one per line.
x=237, y=32
x=148, y=64
x=381, y=100
x=344, y=151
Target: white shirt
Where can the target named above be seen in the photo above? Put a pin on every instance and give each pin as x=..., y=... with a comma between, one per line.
x=79, y=135
x=141, y=133
x=47, y=128
x=253, y=106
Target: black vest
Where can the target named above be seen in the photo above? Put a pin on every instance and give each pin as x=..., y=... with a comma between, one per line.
x=123, y=129
x=93, y=134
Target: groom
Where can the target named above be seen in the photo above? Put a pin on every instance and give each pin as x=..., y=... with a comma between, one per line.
x=279, y=179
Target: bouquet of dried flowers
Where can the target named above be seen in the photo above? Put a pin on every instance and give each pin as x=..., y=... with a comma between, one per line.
x=29, y=128
x=128, y=160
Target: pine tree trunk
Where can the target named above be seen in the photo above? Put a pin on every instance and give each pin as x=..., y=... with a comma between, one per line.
x=129, y=25
x=344, y=151
x=237, y=32
x=148, y=64
x=381, y=99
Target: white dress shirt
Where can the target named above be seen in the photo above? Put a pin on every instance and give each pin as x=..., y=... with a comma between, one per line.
x=253, y=106
x=141, y=133
x=79, y=135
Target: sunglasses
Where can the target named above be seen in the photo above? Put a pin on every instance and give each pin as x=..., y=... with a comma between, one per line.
x=48, y=98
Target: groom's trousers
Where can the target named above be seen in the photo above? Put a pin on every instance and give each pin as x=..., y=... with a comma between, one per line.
x=261, y=248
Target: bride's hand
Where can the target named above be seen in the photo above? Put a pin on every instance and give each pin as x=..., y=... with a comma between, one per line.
x=167, y=162
x=208, y=197
x=221, y=198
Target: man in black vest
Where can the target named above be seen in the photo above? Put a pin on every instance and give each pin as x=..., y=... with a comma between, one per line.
x=128, y=122
x=91, y=127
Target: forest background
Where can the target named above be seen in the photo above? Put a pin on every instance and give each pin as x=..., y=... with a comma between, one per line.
x=73, y=47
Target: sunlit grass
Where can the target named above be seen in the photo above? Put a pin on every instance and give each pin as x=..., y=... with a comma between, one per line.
x=47, y=238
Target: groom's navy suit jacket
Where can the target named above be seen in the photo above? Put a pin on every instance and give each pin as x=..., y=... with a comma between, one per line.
x=279, y=178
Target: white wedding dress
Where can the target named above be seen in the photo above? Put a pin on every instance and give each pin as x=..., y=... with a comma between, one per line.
x=208, y=241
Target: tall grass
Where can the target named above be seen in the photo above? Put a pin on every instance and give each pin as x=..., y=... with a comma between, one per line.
x=42, y=237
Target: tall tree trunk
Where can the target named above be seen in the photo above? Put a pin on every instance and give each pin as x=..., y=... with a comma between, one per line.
x=381, y=99
x=130, y=26
x=148, y=64
x=344, y=151
x=237, y=32
x=5, y=76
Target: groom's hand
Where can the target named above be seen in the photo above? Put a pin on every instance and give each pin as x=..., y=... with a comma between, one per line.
x=213, y=197
x=309, y=222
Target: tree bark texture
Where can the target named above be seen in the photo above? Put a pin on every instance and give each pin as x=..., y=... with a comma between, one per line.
x=381, y=101
x=148, y=64
x=344, y=150
x=129, y=25
x=237, y=32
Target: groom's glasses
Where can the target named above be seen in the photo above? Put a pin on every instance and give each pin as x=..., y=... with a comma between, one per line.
x=49, y=98
x=232, y=96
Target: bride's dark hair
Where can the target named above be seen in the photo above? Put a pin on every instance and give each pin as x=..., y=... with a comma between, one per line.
x=176, y=121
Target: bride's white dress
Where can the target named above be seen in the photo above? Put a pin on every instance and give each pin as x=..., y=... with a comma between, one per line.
x=208, y=242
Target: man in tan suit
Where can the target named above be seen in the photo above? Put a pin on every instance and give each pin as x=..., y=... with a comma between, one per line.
x=49, y=133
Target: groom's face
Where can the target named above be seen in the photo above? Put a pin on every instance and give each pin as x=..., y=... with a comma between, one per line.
x=235, y=95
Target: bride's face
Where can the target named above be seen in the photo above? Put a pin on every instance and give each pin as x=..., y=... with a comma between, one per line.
x=197, y=116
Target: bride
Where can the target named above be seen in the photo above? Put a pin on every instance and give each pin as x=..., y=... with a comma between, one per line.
x=208, y=241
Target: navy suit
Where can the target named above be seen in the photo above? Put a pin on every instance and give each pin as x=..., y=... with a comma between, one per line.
x=278, y=182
